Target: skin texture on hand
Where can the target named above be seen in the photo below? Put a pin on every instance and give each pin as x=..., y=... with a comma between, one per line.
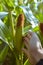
x=33, y=48
x=30, y=57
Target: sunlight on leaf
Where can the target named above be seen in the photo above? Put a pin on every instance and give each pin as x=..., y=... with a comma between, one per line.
x=27, y=62
x=3, y=14
x=5, y=34
x=29, y=15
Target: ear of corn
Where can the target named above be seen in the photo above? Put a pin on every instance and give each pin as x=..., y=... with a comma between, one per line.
x=18, y=35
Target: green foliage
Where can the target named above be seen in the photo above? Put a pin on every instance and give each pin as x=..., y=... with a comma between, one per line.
x=27, y=62
x=3, y=54
x=10, y=34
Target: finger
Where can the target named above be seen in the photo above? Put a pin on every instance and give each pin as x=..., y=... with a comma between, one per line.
x=28, y=36
x=26, y=52
x=26, y=42
x=30, y=32
x=30, y=57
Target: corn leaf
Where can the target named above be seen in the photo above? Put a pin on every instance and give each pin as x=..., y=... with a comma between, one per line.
x=3, y=54
x=5, y=34
x=3, y=14
x=27, y=62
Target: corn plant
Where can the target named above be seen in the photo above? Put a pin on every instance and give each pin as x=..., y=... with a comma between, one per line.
x=17, y=17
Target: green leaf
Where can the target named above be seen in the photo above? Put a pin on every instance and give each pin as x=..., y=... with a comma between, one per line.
x=4, y=31
x=3, y=54
x=29, y=15
x=36, y=29
x=5, y=34
x=40, y=6
x=27, y=62
x=25, y=30
x=9, y=4
x=2, y=37
x=3, y=14
x=18, y=10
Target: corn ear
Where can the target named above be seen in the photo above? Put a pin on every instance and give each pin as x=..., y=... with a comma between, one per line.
x=18, y=35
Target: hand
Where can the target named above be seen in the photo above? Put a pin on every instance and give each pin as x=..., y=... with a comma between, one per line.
x=33, y=48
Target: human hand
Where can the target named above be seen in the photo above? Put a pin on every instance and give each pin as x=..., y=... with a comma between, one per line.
x=33, y=48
